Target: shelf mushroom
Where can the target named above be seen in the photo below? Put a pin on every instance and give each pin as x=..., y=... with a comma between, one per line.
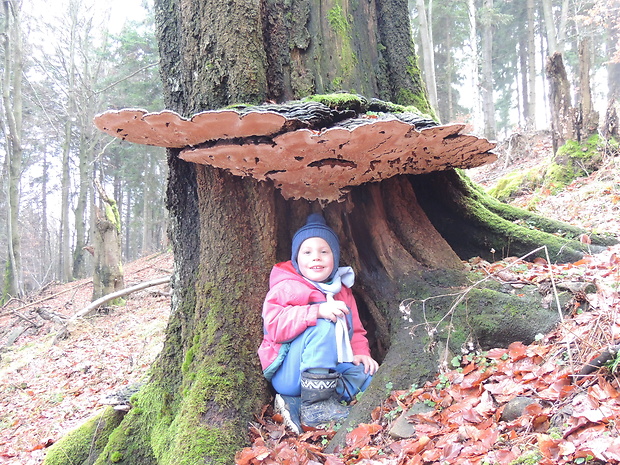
x=307, y=149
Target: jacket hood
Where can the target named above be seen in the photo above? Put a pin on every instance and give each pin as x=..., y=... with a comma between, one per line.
x=284, y=271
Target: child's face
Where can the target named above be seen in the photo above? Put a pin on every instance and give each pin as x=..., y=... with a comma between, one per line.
x=315, y=259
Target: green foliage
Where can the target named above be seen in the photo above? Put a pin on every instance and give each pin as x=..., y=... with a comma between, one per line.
x=613, y=364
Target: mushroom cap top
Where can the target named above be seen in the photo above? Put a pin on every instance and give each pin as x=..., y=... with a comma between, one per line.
x=301, y=160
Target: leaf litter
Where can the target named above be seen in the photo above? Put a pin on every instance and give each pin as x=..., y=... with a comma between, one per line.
x=49, y=385
x=567, y=410
x=46, y=389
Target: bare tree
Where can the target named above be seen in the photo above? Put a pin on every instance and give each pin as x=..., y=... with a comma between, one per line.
x=427, y=48
x=12, y=106
x=486, y=84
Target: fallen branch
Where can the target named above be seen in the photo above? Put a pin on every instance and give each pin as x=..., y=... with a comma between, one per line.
x=123, y=292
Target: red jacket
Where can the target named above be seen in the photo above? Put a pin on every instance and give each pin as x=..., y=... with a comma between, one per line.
x=291, y=306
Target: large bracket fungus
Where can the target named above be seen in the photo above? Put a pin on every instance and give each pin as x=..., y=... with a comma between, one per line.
x=308, y=149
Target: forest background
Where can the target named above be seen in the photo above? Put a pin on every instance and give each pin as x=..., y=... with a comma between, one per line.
x=64, y=62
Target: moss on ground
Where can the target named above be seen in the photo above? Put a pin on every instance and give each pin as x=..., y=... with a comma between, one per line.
x=513, y=183
x=572, y=160
x=86, y=442
x=517, y=223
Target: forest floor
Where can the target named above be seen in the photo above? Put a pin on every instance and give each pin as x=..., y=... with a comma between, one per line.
x=49, y=385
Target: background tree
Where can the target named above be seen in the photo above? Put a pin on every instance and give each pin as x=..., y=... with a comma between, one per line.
x=79, y=69
x=405, y=237
x=12, y=119
x=425, y=20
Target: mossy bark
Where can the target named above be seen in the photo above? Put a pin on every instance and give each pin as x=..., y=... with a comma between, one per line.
x=108, y=274
x=84, y=444
x=227, y=232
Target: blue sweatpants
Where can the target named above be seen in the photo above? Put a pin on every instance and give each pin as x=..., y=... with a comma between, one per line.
x=316, y=348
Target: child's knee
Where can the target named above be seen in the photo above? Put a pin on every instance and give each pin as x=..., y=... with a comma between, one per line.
x=325, y=325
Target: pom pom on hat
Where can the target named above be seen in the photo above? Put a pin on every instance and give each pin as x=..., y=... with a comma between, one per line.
x=316, y=227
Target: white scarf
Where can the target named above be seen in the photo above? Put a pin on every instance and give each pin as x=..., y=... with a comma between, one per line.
x=344, y=275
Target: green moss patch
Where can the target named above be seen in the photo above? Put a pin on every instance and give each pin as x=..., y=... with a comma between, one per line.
x=86, y=442
x=512, y=183
x=572, y=160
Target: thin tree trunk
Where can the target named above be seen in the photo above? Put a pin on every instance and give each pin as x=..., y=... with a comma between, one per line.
x=126, y=208
x=45, y=244
x=524, y=90
x=563, y=26
x=475, y=60
x=531, y=66
x=450, y=116
x=81, y=231
x=488, y=103
x=108, y=273
x=147, y=209
x=428, y=50
x=562, y=111
x=64, y=256
x=12, y=105
x=610, y=127
x=588, y=117
x=552, y=42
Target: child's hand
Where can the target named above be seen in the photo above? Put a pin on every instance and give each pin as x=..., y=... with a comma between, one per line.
x=332, y=310
x=370, y=364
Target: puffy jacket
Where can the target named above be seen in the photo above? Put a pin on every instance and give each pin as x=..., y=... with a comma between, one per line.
x=291, y=306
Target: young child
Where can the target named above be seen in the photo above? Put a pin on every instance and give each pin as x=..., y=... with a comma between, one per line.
x=314, y=349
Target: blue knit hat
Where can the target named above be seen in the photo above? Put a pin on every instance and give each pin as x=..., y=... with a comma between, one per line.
x=316, y=227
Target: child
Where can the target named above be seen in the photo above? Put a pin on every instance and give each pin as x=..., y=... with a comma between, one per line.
x=313, y=336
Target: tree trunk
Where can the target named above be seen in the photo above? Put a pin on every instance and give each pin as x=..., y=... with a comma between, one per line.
x=428, y=51
x=562, y=110
x=64, y=255
x=108, y=273
x=228, y=231
x=12, y=109
x=475, y=58
x=81, y=220
x=147, y=209
x=587, y=116
x=552, y=42
x=530, y=117
x=486, y=84
x=610, y=127
x=523, y=75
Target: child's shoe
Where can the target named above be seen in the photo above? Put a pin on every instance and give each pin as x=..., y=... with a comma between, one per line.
x=289, y=407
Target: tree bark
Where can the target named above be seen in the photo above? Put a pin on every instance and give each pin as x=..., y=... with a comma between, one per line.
x=587, y=116
x=428, y=51
x=562, y=110
x=552, y=42
x=530, y=117
x=13, y=113
x=108, y=274
x=475, y=58
x=228, y=231
x=64, y=241
x=486, y=84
